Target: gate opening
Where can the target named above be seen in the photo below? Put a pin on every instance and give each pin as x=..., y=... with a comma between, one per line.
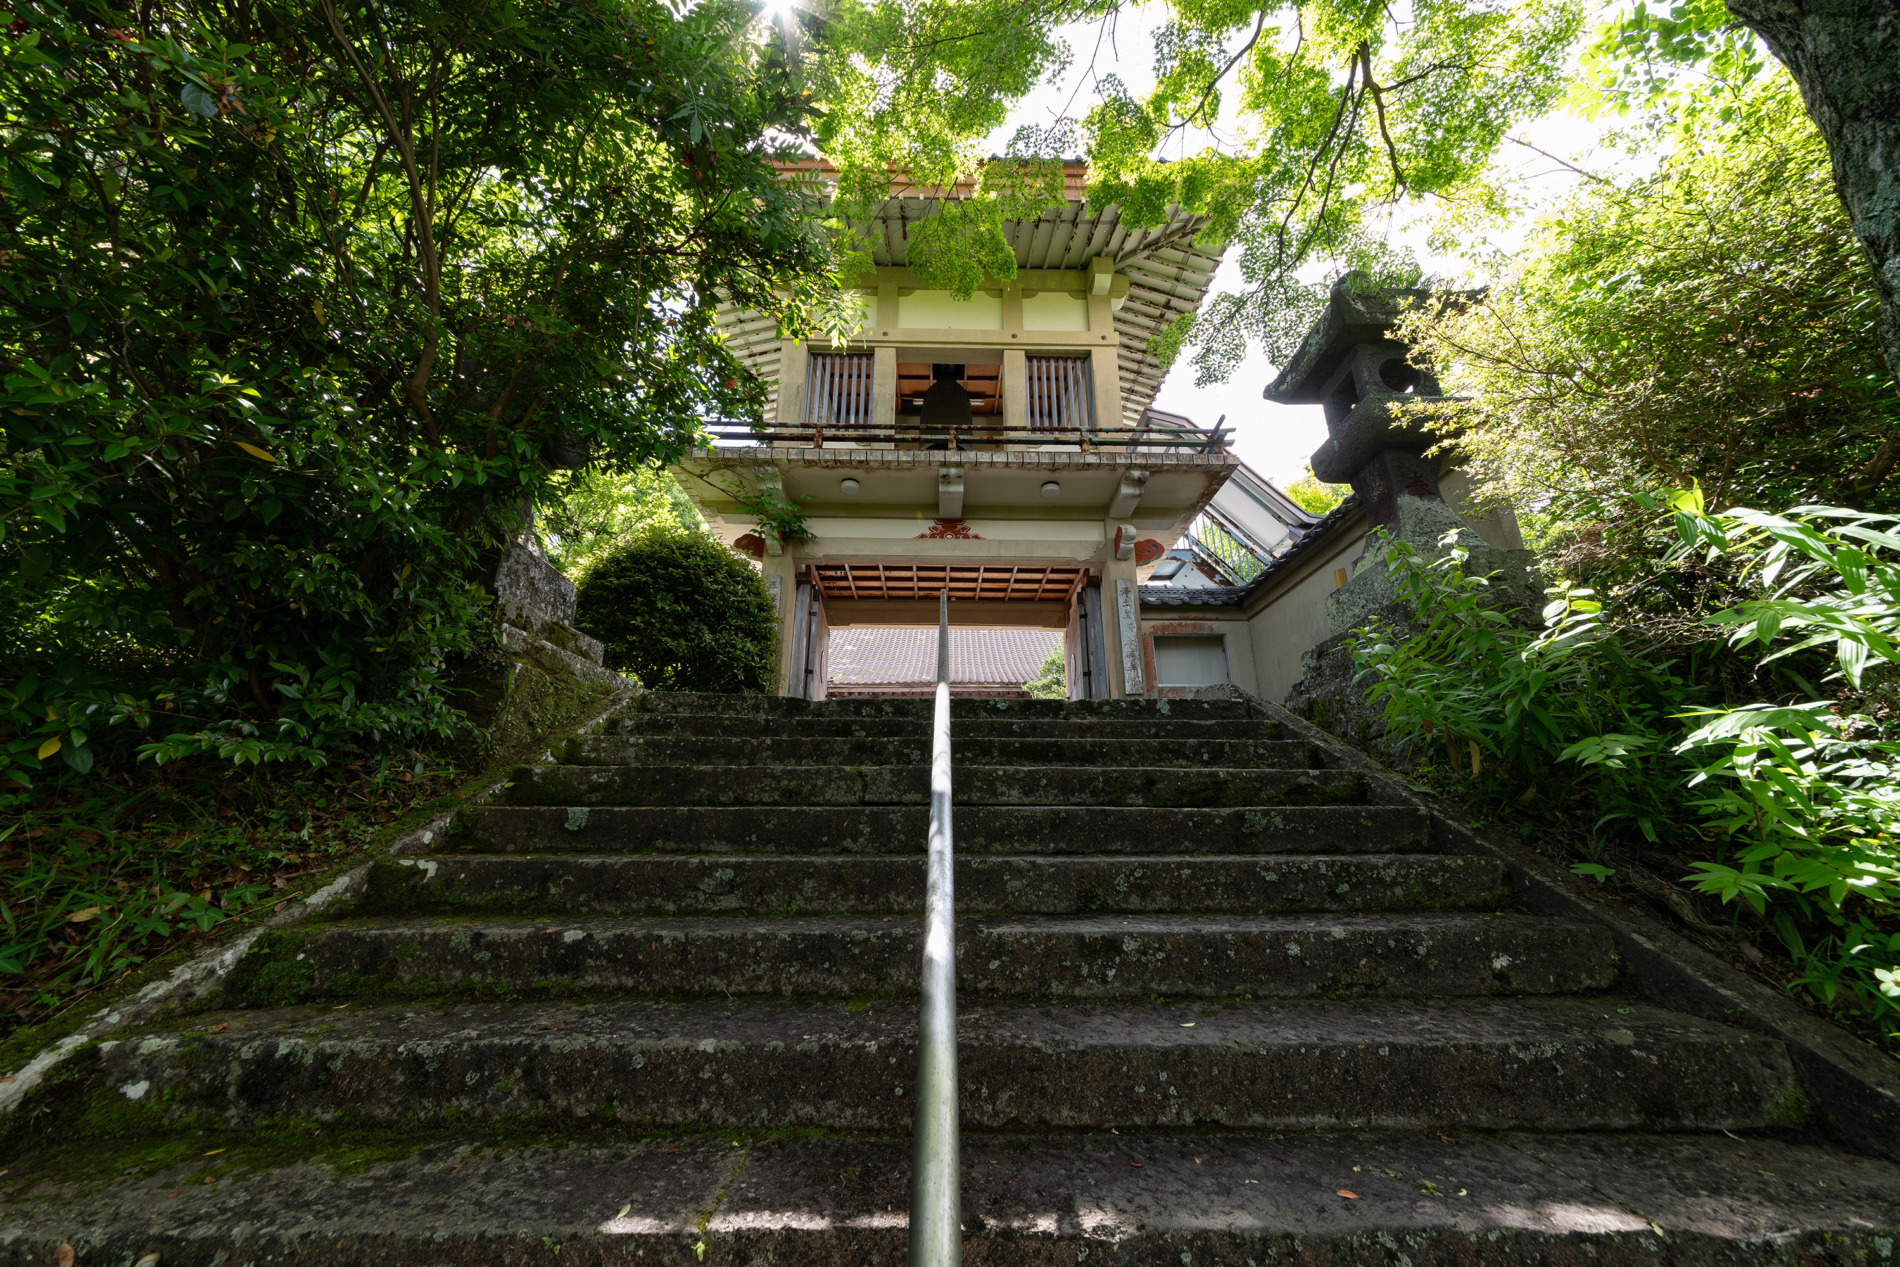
x=875, y=663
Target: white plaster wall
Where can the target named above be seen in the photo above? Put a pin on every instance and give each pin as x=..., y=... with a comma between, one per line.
x=1294, y=620
x=1192, y=622
x=1240, y=657
x=941, y=310
x=1054, y=310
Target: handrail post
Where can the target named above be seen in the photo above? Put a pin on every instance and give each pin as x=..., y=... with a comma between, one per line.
x=936, y=1203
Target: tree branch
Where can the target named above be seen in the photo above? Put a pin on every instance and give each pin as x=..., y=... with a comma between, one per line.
x=1560, y=162
x=1233, y=61
x=1378, y=105
x=415, y=390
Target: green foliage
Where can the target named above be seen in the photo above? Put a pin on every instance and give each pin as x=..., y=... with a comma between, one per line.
x=777, y=517
x=1789, y=805
x=1051, y=680
x=1345, y=111
x=918, y=85
x=303, y=303
x=1641, y=60
x=1561, y=716
x=764, y=501
x=1831, y=573
x=103, y=878
x=1315, y=497
x=680, y=612
x=1808, y=792
x=599, y=511
x=954, y=249
x=1713, y=322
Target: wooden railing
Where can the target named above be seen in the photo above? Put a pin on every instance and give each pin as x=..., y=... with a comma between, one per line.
x=985, y=434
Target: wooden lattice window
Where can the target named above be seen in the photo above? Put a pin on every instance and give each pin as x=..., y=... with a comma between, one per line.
x=1060, y=396
x=838, y=391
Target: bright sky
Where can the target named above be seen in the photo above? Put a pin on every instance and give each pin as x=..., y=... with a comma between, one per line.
x=1274, y=439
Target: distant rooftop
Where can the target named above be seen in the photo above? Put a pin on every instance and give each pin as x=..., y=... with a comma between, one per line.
x=876, y=657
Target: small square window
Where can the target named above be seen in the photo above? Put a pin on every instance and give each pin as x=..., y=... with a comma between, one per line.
x=1190, y=661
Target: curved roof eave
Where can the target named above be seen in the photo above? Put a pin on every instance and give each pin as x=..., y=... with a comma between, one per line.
x=1168, y=274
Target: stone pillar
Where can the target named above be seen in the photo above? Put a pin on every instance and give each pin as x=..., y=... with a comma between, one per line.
x=1121, y=625
x=1496, y=524
x=781, y=575
x=1380, y=422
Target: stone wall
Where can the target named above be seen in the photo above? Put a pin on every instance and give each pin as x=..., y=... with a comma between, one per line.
x=544, y=672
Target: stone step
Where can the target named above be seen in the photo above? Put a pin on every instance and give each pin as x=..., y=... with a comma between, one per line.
x=655, y=725
x=767, y=749
x=1548, y=1064
x=1152, y=1199
x=924, y=709
x=751, y=884
x=910, y=785
x=1103, y=957
x=1310, y=829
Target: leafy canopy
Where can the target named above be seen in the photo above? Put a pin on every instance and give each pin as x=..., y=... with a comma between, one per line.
x=1711, y=323
x=1345, y=109
x=600, y=511
x=304, y=304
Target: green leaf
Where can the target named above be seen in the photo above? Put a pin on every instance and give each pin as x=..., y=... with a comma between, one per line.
x=199, y=101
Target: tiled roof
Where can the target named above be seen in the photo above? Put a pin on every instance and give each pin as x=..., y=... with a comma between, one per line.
x=877, y=656
x=1198, y=596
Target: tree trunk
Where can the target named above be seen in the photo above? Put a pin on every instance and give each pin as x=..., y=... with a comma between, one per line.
x=1845, y=57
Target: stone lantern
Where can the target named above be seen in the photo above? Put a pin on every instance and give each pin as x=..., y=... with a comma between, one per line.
x=1379, y=419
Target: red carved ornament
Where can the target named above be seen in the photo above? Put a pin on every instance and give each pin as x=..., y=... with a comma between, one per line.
x=948, y=530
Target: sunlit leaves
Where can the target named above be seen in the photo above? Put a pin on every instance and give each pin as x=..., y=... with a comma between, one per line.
x=1644, y=59
x=954, y=249
x=1347, y=109
x=914, y=85
x=1711, y=323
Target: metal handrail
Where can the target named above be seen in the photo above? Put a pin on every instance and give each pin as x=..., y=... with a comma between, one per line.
x=936, y=1203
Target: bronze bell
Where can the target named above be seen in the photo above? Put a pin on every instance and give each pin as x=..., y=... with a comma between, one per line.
x=946, y=405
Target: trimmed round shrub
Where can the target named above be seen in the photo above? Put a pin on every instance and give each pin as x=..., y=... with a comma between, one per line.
x=681, y=612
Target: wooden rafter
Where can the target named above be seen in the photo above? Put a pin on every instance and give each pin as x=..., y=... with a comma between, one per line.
x=967, y=582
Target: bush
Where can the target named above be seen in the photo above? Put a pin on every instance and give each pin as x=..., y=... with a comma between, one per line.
x=1777, y=794
x=1051, y=680
x=1711, y=321
x=1509, y=705
x=681, y=612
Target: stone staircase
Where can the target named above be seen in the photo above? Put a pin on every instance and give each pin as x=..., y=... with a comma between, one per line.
x=656, y=1004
